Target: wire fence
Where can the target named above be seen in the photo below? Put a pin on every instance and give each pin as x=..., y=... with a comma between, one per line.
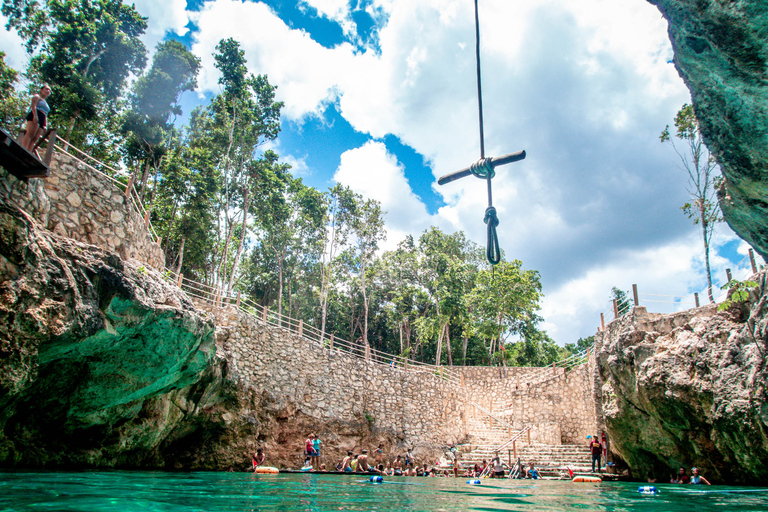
x=664, y=303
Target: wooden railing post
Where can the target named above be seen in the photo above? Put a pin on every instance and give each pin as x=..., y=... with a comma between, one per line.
x=752, y=260
x=129, y=186
x=615, y=308
x=602, y=322
x=728, y=274
x=265, y=313
x=146, y=219
x=554, y=368
x=331, y=346
x=696, y=298
x=514, y=448
x=634, y=294
x=529, y=437
x=237, y=303
x=301, y=327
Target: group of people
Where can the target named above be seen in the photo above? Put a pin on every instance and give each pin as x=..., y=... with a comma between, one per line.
x=682, y=477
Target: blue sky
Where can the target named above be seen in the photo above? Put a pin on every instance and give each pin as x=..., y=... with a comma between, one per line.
x=380, y=96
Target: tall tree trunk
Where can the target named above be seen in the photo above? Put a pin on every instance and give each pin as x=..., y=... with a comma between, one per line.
x=448, y=342
x=704, y=226
x=439, y=347
x=365, y=300
x=464, y=348
x=242, y=241
x=400, y=328
x=144, y=179
x=181, y=256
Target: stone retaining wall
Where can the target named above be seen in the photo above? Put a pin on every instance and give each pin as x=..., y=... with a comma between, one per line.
x=330, y=385
x=560, y=410
x=87, y=206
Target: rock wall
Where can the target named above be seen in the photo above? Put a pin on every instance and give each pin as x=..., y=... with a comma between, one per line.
x=102, y=362
x=560, y=410
x=349, y=402
x=721, y=51
x=688, y=389
x=79, y=203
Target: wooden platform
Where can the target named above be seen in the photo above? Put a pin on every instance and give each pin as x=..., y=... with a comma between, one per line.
x=17, y=160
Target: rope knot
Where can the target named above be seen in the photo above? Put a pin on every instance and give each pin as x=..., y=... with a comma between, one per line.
x=483, y=168
x=492, y=251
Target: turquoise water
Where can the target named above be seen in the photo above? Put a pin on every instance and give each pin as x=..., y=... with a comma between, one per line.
x=188, y=492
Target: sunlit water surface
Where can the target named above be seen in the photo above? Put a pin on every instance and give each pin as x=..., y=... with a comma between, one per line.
x=125, y=491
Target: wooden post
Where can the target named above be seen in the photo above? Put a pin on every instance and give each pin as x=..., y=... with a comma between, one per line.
x=554, y=368
x=49, y=150
x=179, y=280
x=509, y=455
x=265, y=314
x=634, y=294
x=146, y=219
x=518, y=381
x=461, y=375
x=129, y=186
x=237, y=304
x=301, y=327
x=529, y=437
x=514, y=448
x=696, y=298
x=615, y=309
x=331, y=345
x=602, y=322
x=509, y=431
x=728, y=274
x=752, y=260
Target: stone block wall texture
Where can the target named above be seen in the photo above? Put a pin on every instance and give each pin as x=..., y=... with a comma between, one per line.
x=79, y=203
x=560, y=410
x=331, y=385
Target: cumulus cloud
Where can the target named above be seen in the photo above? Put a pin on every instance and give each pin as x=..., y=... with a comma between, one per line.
x=584, y=86
x=164, y=17
x=373, y=172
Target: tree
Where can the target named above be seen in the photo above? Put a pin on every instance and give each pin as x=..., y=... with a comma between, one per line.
x=12, y=105
x=700, y=166
x=623, y=301
x=368, y=229
x=154, y=100
x=505, y=301
x=88, y=50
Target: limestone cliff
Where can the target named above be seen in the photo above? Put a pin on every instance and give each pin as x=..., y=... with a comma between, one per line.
x=721, y=51
x=688, y=389
x=102, y=362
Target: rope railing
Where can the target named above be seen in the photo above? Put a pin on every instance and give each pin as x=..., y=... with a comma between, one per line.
x=514, y=438
x=492, y=417
x=219, y=298
x=129, y=189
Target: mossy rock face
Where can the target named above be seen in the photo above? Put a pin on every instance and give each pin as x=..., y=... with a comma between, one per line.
x=721, y=51
x=102, y=362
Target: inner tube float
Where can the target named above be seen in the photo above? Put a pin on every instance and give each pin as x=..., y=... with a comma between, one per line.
x=587, y=479
x=648, y=489
x=266, y=470
x=474, y=482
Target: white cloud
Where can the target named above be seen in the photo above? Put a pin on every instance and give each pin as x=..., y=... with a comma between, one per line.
x=163, y=17
x=585, y=86
x=13, y=46
x=375, y=174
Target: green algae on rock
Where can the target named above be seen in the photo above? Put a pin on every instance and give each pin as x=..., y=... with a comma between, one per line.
x=100, y=358
x=721, y=52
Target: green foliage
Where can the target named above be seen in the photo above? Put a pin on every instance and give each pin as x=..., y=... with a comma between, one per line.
x=739, y=293
x=623, y=301
x=12, y=104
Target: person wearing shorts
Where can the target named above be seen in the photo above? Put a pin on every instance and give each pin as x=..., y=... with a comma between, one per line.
x=37, y=118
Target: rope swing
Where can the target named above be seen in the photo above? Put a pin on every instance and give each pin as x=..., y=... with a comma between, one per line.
x=484, y=168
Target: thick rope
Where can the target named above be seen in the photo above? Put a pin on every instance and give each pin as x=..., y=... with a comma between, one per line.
x=483, y=167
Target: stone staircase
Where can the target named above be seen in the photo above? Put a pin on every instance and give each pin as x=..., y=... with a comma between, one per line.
x=486, y=435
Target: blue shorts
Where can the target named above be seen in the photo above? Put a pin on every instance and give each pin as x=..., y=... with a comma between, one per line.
x=348, y=469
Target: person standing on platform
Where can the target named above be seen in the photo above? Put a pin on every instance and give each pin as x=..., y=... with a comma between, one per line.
x=37, y=118
x=596, y=448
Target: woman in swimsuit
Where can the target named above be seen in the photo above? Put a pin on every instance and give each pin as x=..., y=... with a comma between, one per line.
x=36, y=118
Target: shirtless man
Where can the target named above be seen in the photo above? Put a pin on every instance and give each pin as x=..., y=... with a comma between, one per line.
x=397, y=466
x=409, y=470
x=362, y=461
x=346, y=463
x=258, y=458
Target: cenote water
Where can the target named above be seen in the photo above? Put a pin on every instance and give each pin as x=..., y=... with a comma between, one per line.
x=186, y=492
